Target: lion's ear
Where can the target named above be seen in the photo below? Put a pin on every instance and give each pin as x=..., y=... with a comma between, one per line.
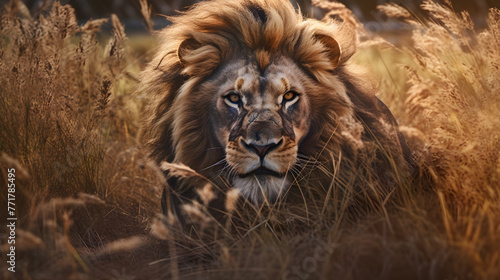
x=198, y=59
x=332, y=46
x=185, y=47
x=342, y=45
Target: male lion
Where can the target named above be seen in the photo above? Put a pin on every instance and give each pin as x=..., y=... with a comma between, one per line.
x=249, y=93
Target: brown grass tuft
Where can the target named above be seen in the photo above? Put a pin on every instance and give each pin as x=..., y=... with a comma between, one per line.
x=146, y=13
x=394, y=11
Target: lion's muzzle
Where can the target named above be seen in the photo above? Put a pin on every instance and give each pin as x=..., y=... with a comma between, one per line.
x=263, y=147
x=261, y=154
x=263, y=136
x=263, y=133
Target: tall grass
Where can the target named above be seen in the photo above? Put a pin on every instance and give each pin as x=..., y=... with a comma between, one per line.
x=69, y=120
x=87, y=199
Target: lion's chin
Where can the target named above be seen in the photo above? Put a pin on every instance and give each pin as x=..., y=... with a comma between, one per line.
x=261, y=188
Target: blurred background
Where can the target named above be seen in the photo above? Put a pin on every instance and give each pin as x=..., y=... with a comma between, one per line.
x=129, y=11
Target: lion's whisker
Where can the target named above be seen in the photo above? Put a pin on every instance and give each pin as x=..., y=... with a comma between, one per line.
x=227, y=167
x=214, y=148
x=215, y=164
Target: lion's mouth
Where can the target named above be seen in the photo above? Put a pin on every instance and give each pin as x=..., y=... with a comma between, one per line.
x=262, y=171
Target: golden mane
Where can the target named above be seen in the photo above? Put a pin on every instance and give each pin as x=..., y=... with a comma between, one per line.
x=199, y=40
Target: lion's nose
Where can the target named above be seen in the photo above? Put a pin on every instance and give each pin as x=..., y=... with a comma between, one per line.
x=262, y=150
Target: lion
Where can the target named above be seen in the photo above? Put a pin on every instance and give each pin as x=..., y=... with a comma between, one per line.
x=248, y=93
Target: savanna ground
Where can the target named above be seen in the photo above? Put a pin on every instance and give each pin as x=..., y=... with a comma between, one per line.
x=86, y=200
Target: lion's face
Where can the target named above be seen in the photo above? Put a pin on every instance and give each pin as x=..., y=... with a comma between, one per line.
x=260, y=118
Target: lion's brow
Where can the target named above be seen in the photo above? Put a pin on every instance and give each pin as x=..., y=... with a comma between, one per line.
x=286, y=87
x=239, y=83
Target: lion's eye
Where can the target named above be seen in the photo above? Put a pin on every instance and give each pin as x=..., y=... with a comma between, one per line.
x=233, y=99
x=289, y=96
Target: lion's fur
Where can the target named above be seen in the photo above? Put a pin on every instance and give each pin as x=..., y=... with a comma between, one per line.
x=201, y=39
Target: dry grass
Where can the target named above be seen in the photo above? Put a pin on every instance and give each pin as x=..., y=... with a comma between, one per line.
x=87, y=201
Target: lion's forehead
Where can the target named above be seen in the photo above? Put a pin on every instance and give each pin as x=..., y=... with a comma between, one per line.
x=263, y=88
